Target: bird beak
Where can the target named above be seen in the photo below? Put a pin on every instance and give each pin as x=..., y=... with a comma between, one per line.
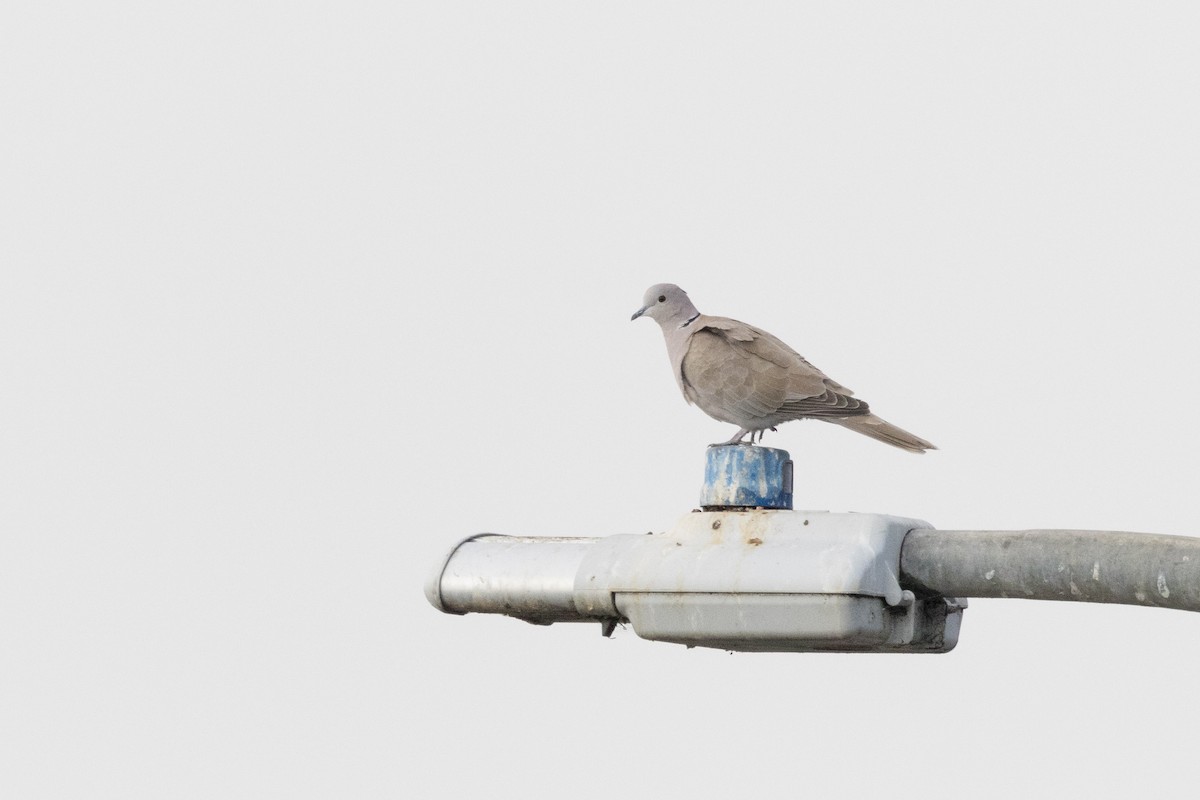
x=638, y=313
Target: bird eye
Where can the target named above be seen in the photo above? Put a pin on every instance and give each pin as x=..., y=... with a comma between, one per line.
x=662, y=298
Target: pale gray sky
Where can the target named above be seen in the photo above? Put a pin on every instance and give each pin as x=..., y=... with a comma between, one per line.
x=297, y=295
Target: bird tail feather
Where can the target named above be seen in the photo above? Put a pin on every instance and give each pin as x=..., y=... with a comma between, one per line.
x=876, y=428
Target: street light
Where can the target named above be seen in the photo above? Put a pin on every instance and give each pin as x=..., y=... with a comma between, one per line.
x=746, y=572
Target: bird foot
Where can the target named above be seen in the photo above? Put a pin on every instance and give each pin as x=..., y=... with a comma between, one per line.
x=735, y=439
x=755, y=435
x=759, y=433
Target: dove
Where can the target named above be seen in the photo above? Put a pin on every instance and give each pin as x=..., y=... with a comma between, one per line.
x=742, y=375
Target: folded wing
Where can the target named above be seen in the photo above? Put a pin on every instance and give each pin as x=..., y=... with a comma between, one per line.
x=744, y=375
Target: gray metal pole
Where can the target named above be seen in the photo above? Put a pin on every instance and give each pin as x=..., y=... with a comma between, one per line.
x=1143, y=569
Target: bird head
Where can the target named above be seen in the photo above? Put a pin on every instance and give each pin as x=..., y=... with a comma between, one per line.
x=666, y=303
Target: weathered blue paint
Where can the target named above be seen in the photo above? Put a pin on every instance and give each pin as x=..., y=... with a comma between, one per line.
x=746, y=476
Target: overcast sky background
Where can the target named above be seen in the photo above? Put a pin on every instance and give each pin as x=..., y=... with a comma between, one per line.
x=296, y=295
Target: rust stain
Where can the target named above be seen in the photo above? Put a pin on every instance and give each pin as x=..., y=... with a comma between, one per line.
x=754, y=540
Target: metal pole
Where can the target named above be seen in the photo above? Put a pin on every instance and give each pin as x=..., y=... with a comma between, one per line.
x=1142, y=569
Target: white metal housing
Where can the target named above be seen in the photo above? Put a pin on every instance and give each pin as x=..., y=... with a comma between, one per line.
x=737, y=580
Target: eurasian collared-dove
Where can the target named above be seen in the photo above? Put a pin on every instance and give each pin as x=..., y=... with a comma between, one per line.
x=743, y=375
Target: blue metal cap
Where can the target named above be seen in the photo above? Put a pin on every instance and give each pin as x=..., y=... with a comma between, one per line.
x=746, y=476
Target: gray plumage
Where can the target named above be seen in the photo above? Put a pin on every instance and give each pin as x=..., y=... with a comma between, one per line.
x=743, y=375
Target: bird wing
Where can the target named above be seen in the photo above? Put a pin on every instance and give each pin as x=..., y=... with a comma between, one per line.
x=740, y=373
